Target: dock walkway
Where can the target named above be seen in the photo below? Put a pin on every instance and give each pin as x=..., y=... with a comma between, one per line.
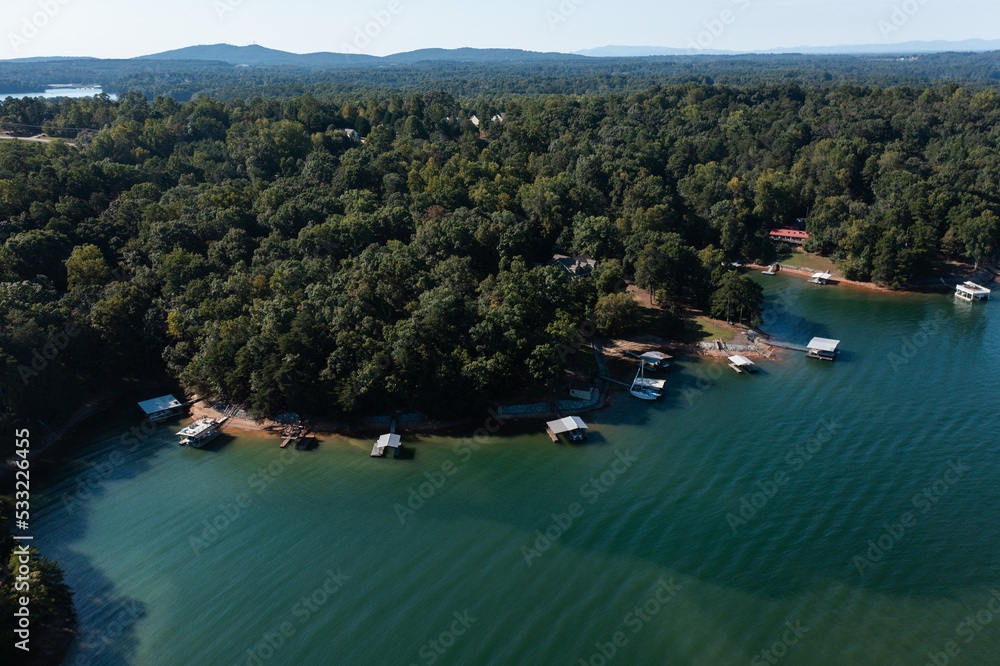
x=786, y=345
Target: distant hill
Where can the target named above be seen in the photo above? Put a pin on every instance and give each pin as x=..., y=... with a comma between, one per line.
x=966, y=46
x=260, y=56
x=645, y=52
x=477, y=55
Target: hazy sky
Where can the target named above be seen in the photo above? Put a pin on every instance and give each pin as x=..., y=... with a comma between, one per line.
x=126, y=28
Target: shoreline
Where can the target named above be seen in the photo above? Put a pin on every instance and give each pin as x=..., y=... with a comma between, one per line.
x=836, y=281
x=983, y=275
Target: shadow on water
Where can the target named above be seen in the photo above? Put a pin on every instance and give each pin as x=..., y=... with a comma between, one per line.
x=107, y=619
x=75, y=473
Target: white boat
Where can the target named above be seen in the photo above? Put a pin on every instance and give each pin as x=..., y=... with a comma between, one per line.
x=646, y=389
x=970, y=291
x=200, y=433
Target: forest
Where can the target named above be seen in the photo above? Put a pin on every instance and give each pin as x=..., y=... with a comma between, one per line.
x=478, y=72
x=257, y=252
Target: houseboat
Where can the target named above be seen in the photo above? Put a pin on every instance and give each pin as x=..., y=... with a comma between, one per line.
x=200, y=433
x=970, y=291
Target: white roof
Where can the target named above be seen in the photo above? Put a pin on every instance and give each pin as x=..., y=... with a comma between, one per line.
x=824, y=344
x=974, y=288
x=198, y=427
x=389, y=441
x=567, y=424
x=655, y=357
x=741, y=361
x=822, y=276
x=161, y=404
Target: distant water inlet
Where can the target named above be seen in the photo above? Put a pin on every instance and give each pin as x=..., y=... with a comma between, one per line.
x=818, y=514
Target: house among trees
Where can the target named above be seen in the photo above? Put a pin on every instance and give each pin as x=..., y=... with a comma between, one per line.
x=577, y=267
x=351, y=133
x=791, y=236
x=498, y=118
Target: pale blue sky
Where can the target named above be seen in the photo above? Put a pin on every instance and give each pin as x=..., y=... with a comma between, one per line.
x=126, y=28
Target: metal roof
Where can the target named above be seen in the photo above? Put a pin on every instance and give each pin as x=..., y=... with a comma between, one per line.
x=742, y=361
x=389, y=441
x=567, y=424
x=822, y=276
x=655, y=357
x=824, y=344
x=161, y=404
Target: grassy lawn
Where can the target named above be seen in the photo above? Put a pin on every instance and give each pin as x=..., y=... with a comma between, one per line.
x=700, y=328
x=802, y=259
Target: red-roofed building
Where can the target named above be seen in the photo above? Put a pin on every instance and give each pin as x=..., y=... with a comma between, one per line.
x=793, y=236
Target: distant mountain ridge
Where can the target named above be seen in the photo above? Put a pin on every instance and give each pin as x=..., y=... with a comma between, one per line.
x=261, y=56
x=968, y=45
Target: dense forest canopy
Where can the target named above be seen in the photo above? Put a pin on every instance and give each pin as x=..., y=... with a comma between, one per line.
x=473, y=73
x=259, y=253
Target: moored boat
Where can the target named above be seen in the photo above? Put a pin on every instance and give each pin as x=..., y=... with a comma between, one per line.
x=200, y=433
x=646, y=389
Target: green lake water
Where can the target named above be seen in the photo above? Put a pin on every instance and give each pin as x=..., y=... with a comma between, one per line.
x=694, y=531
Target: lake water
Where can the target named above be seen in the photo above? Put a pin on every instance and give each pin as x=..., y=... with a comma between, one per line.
x=783, y=512
x=51, y=93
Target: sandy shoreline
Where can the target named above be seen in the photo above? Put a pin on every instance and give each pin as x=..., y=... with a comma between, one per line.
x=806, y=273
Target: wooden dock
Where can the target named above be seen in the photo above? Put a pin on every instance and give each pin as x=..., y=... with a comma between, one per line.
x=786, y=345
x=555, y=438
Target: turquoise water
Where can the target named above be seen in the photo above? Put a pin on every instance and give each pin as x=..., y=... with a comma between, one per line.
x=318, y=558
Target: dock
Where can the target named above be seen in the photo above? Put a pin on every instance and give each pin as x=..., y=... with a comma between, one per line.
x=291, y=434
x=787, y=345
x=572, y=426
x=742, y=364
